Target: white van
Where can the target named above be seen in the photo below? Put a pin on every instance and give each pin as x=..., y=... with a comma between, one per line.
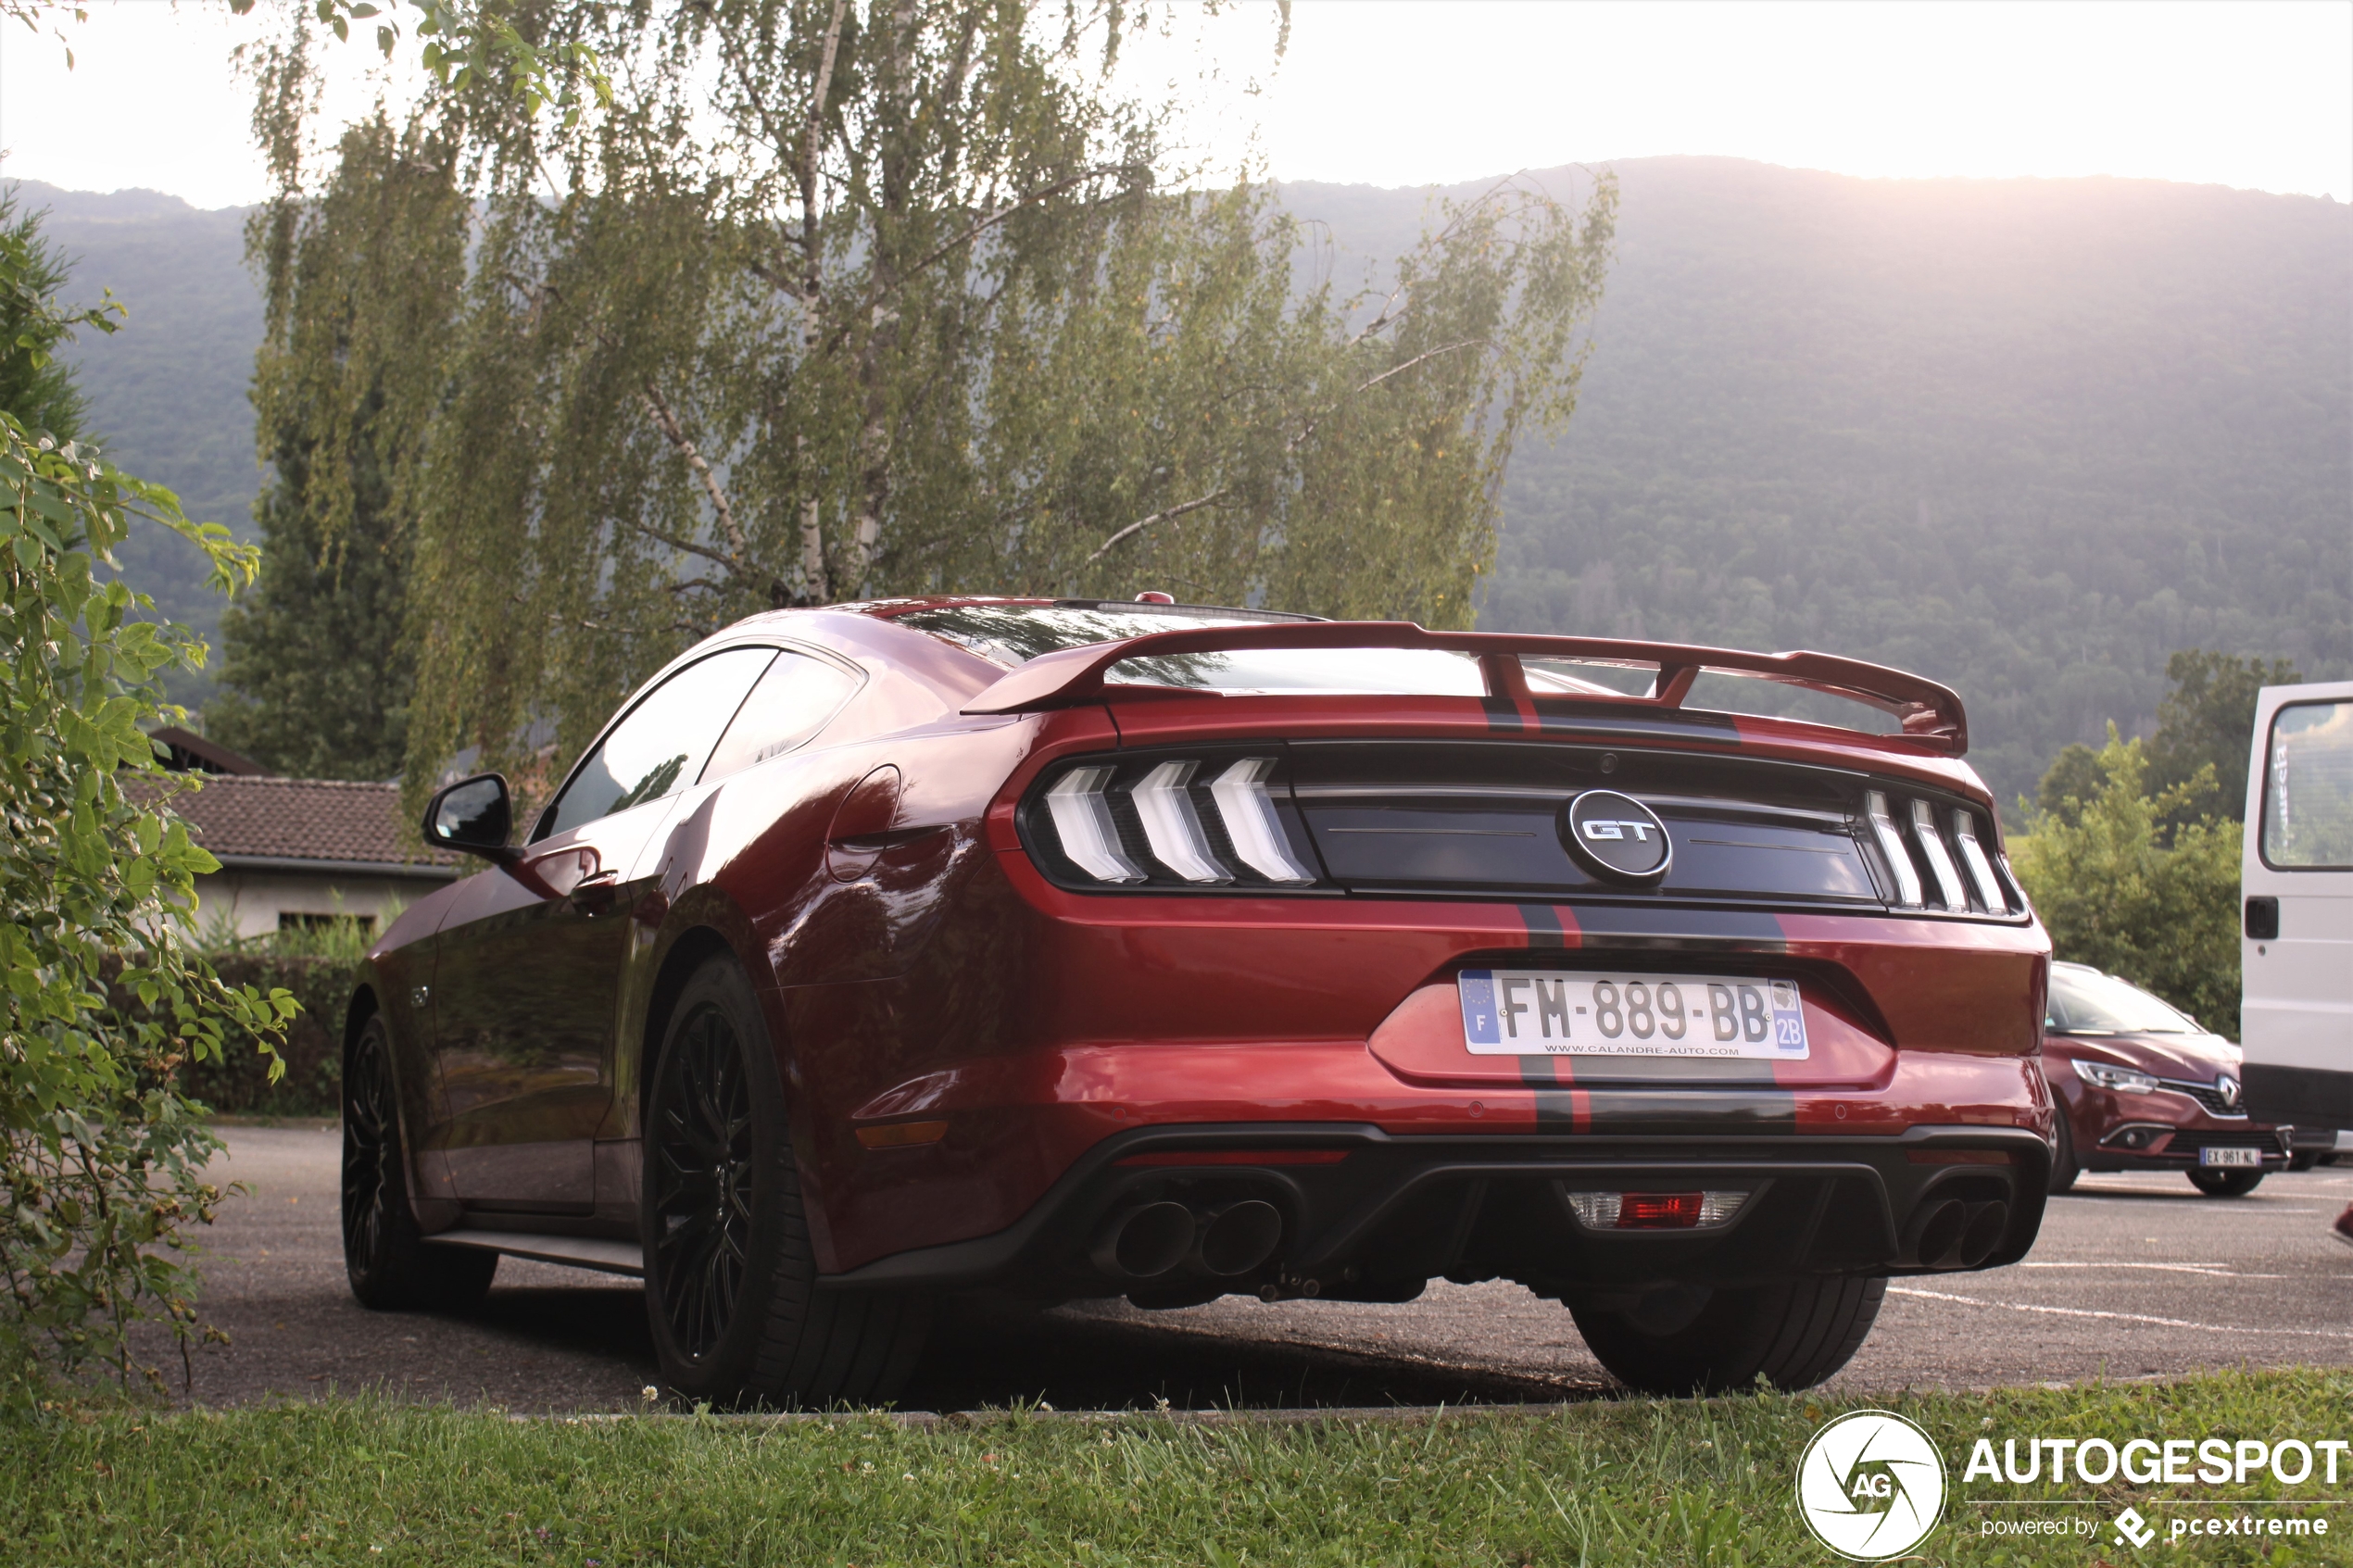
x=2296, y=939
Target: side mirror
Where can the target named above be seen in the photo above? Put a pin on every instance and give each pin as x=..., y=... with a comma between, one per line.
x=474, y=816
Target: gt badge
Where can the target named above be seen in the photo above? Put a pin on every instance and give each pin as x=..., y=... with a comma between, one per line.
x=1616, y=837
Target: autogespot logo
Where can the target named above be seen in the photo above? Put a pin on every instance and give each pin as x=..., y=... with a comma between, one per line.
x=1871, y=1485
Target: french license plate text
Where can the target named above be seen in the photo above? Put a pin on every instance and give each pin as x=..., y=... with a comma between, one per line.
x=2248, y=1157
x=1557, y=1012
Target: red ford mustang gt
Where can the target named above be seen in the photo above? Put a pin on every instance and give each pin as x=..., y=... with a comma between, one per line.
x=1079, y=948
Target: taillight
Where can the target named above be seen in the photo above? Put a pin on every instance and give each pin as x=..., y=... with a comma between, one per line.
x=1926, y=849
x=1981, y=868
x=1082, y=821
x=1891, y=844
x=1249, y=812
x=1171, y=825
x=1206, y=822
x=1939, y=863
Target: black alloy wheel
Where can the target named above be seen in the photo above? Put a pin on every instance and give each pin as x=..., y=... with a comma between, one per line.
x=391, y=1265
x=2064, y=1170
x=2225, y=1183
x=732, y=1294
x=702, y=1181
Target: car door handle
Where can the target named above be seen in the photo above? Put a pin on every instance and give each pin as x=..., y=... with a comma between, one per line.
x=594, y=894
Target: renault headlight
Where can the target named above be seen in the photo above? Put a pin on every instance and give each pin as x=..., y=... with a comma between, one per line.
x=2106, y=1075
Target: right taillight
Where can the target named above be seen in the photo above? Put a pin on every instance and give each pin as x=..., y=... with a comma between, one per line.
x=1930, y=849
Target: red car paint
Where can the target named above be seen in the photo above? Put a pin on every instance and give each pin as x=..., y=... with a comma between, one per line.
x=917, y=966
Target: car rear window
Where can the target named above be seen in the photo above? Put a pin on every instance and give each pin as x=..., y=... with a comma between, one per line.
x=1013, y=634
x=2087, y=1002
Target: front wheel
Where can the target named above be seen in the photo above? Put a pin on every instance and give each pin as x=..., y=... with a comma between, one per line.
x=2064, y=1170
x=1792, y=1333
x=391, y=1266
x=730, y=1282
x=2226, y=1183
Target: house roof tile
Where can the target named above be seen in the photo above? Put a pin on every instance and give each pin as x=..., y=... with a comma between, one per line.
x=240, y=817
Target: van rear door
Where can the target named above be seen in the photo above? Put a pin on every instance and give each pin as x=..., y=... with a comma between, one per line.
x=2297, y=920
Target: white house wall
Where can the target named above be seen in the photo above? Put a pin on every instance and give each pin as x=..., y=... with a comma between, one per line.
x=251, y=901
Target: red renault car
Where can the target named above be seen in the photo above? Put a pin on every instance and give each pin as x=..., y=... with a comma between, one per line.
x=1070, y=949
x=2140, y=1085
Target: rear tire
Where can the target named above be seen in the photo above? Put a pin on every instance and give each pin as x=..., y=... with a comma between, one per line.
x=2226, y=1183
x=2064, y=1170
x=1793, y=1332
x=392, y=1266
x=730, y=1282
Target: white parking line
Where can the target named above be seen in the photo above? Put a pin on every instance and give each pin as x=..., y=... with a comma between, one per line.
x=2211, y=1271
x=2119, y=1317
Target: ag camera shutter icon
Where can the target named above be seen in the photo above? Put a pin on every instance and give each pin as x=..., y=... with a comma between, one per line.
x=1616, y=837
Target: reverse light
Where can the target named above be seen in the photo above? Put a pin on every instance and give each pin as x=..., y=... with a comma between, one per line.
x=1655, y=1210
x=1940, y=861
x=1082, y=818
x=1891, y=844
x=2106, y=1075
x=1248, y=814
x=1171, y=825
x=1981, y=868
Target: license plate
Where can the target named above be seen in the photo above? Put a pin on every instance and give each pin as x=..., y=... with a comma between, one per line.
x=1556, y=1012
x=2212, y=1156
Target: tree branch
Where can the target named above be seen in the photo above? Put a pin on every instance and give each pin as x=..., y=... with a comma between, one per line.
x=1167, y=515
x=1172, y=514
x=676, y=435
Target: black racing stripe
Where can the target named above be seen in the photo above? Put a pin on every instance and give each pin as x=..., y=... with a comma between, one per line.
x=1696, y=1113
x=1543, y=925
x=1504, y=716
x=1556, y=715
x=1751, y=928
x=1555, y=1111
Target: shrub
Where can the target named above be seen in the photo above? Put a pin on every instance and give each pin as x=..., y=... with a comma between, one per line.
x=2116, y=894
x=101, y=1159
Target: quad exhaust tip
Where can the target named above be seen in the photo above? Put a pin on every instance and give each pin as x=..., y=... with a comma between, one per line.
x=1144, y=1242
x=1147, y=1242
x=1238, y=1238
x=1958, y=1235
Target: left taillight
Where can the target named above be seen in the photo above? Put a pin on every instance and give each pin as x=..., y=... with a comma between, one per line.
x=1203, y=821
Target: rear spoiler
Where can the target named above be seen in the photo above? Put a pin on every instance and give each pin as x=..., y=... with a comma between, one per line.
x=1930, y=714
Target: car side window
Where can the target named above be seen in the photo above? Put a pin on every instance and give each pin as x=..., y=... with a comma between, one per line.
x=792, y=702
x=660, y=747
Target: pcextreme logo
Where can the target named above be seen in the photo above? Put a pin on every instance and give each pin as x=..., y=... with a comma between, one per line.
x=1871, y=1485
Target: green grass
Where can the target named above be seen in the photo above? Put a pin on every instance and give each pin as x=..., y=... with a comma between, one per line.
x=1692, y=1484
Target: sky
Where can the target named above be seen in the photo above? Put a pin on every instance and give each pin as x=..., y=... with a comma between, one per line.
x=1402, y=92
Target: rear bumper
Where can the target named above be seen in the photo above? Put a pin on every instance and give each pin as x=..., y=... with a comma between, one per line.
x=1371, y=1216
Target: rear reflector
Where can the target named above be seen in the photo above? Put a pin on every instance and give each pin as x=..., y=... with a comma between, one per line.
x=1655, y=1210
x=902, y=1134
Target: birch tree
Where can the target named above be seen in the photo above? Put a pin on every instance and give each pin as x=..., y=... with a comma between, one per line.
x=841, y=300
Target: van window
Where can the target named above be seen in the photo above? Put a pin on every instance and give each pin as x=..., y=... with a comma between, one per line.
x=2308, y=788
x=790, y=706
x=659, y=748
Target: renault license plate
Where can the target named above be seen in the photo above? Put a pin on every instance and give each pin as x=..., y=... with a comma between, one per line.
x=2245, y=1157
x=1556, y=1012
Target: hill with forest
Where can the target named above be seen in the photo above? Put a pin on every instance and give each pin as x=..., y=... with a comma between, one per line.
x=2026, y=436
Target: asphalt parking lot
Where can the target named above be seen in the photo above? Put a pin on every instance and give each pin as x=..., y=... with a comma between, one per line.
x=2134, y=1277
